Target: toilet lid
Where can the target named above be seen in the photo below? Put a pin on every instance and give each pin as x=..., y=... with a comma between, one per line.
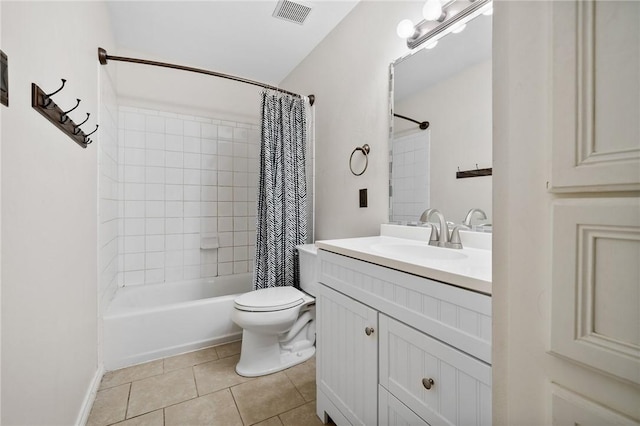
x=270, y=299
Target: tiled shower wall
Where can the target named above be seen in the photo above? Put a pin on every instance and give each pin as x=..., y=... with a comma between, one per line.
x=184, y=178
x=410, y=176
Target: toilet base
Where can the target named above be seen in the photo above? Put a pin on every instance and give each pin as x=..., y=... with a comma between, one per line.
x=262, y=355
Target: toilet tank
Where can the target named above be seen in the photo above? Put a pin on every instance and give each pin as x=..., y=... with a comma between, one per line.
x=307, y=254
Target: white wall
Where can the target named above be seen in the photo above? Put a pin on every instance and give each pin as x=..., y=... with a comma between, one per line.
x=459, y=113
x=349, y=74
x=49, y=214
x=183, y=92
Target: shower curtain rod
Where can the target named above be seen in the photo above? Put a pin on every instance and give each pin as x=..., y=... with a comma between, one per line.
x=423, y=125
x=103, y=57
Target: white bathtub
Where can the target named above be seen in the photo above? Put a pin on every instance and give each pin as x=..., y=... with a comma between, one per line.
x=153, y=321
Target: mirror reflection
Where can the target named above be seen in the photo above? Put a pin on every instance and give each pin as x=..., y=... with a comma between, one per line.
x=450, y=87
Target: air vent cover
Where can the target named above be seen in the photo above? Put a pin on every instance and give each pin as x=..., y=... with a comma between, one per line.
x=291, y=11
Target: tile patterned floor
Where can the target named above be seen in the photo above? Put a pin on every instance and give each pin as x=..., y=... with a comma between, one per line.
x=202, y=388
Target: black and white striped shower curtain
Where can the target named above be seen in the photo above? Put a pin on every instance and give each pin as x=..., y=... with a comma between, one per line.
x=281, y=221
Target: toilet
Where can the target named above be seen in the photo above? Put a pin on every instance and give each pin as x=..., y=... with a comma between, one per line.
x=278, y=323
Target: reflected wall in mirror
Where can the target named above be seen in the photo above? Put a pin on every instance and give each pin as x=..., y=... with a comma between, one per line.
x=450, y=87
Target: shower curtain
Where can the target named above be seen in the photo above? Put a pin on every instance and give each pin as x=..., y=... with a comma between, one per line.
x=281, y=221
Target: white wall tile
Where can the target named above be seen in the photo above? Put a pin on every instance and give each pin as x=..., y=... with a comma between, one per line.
x=134, y=227
x=173, y=273
x=134, y=278
x=225, y=239
x=133, y=244
x=174, y=159
x=134, y=174
x=154, y=243
x=209, y=162
x=154, y=124
x=154, y=226
x=209, y=270
x=134, y=157
x=225, y=193
x=174, y=126
x=154, y=157
x=134, y=139
x=192, y=128
x=192, y=177
x=133, y=191
x=134, y=262
x=208, y=146
x=192, y=209
x=192, y=272
x=174, y=176
x=191, y=161
x=225, y=179
x=191, y=144
x=154, y=209
x=174, y=225
x=174, y=143
x=173, y=209
x=192, y=257
x=209, y=131
x=225, y=148
x=225, y=132
x=209, y=193
x=154, y=260
x=209, y=208
x=174, y=192
x=192, y=192
x=225, y=268
x=154, y=174
x=191, y=241
x=209, y=177
x=154, y=191
x=133, y=121
x=133, y=209
x=225, y=224
x=152, y=276
x=174, y=242
x=191, y=225
x=208, y=224
x=174, y=258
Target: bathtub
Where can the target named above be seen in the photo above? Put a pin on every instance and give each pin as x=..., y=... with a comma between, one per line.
x=147, y=322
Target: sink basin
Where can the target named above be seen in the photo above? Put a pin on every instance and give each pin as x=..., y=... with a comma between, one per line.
x=418, y=252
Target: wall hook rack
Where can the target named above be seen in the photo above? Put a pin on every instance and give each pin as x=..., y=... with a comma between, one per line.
x=474, y=172
x=42, y=102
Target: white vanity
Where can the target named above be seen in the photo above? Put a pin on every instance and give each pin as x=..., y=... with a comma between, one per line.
x=404, y=330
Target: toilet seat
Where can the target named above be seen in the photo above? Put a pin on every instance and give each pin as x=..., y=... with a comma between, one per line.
x=269, y=299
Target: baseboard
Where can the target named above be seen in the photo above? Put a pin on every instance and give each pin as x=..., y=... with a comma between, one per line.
x=90, y=397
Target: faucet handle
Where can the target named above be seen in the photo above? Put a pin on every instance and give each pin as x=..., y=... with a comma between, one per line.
x=455, y=241
x=434, y=237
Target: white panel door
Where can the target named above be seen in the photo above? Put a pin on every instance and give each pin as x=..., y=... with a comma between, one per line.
x=596, y=96
x=347, y=355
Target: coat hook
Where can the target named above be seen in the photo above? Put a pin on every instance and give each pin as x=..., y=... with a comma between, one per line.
x=47, y=97
x=64, y=117
x=86, y=137
x=76, y=129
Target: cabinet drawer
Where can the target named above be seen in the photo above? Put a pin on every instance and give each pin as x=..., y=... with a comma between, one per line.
x=395, y=413
x=459, y=317
x=461, y=389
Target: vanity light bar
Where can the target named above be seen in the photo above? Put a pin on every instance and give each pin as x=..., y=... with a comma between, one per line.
x=432, y=31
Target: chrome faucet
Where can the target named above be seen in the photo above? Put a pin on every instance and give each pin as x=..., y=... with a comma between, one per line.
x=467, y=220
x=442, y=238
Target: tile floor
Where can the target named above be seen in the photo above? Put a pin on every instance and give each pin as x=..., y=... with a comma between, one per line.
x=202, y=388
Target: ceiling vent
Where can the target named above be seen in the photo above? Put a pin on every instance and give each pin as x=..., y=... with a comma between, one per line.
x=291, y=11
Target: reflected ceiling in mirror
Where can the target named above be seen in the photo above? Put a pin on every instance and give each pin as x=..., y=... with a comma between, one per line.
x=450, y=87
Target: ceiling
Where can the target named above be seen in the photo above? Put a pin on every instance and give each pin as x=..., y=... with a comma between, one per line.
x=233, y=37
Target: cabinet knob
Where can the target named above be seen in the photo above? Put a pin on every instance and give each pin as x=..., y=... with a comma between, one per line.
x=369, y=331
x=427, y=383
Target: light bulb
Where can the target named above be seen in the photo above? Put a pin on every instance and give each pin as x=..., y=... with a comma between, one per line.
x=431, y=45
x=432, y=10
x=405, y=28
x=488, y=12
x=459, y=28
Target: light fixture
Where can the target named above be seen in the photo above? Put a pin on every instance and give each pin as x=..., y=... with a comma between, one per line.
x=440, y=20
x=458, y=28
x=432, y=10
x=405, y=28
x=431, y=45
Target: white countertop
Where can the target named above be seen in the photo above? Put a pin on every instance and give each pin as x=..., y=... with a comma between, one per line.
x=472, y=271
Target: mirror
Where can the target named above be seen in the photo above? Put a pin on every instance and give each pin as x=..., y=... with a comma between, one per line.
x=450, y=87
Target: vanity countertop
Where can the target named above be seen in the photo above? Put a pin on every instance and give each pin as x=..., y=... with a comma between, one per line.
x=468, y=268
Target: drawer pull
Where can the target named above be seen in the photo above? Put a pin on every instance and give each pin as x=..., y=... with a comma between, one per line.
x=369, y=331
x=427, y=383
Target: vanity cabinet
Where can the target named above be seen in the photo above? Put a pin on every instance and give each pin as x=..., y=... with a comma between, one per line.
x=395, y=348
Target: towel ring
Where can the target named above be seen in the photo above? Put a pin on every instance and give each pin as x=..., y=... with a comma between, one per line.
x=365, y=150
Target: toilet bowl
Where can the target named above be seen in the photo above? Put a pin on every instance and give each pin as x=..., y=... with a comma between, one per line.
x=278, y=323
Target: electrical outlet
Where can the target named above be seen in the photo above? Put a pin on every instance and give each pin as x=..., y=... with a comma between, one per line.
x=363, y=197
